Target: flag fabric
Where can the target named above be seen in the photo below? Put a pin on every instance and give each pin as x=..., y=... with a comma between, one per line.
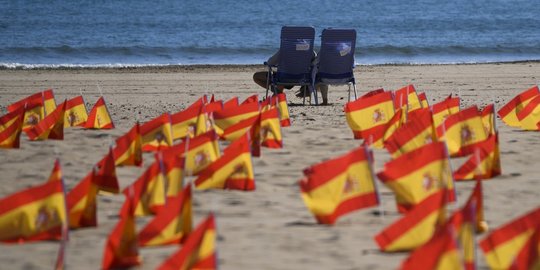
x=502, y=246
x=232, y=115
x=462, y=130
x=37, y=213
x=172, y=225
x=529, y=116
x=11, y=126
x=377, y=137
x=270, y=129
x=529, y=256
x=508, y=112
x=367, y=114
x=121, y=249
x=339, y=186
x=416, y=227
x=99, y=117
x=156, y=134
x=406, y=99
x=231, y=103
x=239, y=129
x=280, y=101
x=51, y=127
x=46, y=98
x=443, y=109
x=484, y=163
x=173, y=169
x=488, y=119
x=128, y=148
x=34, y=112
x=439, y=253
x=56, y=173
x=106, y=176
x=233, y=170
x=183, y=123
x=148, y=191
x=427, y=172
x=198, y=251
x=423, y=100
x=198, y=152
x=75, y=114
x=81, y=202
x=417, y=132
x=250, y=99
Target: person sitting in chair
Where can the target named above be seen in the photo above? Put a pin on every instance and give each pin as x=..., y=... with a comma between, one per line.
x=261, y=78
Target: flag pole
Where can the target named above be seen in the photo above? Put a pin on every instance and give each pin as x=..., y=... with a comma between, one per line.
x=184, y=170
x=449, y=167
x=368, y=153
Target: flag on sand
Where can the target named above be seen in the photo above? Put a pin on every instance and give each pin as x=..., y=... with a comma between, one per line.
x=37, y=213
x=148, y=191
x=233, y=170
x=56, y=173
x=416, y=227
x=99, y=117
x=423, y=100
x=198, y=251
x=529, y=116
x=75, y=114
x=484, y=163
x=106, y=176
x=172, y=225
x=46, y=100
x=81, y=202
x=173, y=169
x=502, y=246
x=11, y=126
x=529, y=256
x=234, y=114
x=509, y=111
x=128, y=149
x=406, y=99
x=270, y=130
x=339, y=186
x=157, y=134
x=369, y=113
x=427, y=172
x=51, y=127
x=377, y=137
x=443, y=109
x=488, y=119
x=462, y=130
x=417, y=132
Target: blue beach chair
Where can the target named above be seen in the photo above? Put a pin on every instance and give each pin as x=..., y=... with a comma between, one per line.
x=336, y=58
x=295, y=60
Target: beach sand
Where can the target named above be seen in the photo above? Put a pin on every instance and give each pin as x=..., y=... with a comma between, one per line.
x=269, y=228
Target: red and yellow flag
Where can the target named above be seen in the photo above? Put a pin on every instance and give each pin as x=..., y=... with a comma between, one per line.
x=37, y=213
x=484, y=163
x=509, y=111
x=173, y=168
x=106, y=176
x=423, y=100
x=128, y=149
x=502, y=246
x=368, y=113
x=377, y=136
x=121, y=249
x=462, y=130
x=250, y=99
x=183, y=123
x=529, y=256
x=443, y=109
x=47, y=102
x=239, y=129
x=34, y=112
x=75, y=114
x=417, y=132
x=271, y=129
x=406, y=99
x=280, y=101
x=231, y=103
x=148, y=191
x=198, y=251
x=11, y=126
x=231, y=115
x=339, y=186
x=56, y=173
x=416, y=227
x=99, y=117
x=488, y=119
x=172, y=225
x=51, y=127
x=81, y=202
x=233, y=170
x=427, y=172
x=156, y=134
x=529, y=116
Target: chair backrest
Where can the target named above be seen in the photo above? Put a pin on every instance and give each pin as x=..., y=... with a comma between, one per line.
x=295, y=54
x=336, y=57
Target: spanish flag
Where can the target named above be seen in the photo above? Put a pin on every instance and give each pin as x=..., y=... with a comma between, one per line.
x=416, y=227
x=443, y=109
x=488, y=119
x=232, y=115
x=199, y=152
x=508, y=112
x=339, y=186
x=81, y=202
x=37, y=213
x=462, y=130
x=34, y=112
x=99, y=117
x=149, y=191
x=45, y=97
x=484, y=163
x=157, y=133
x=238, y=130
x=51, y=127
x=233, y=170
x=529, y=256
x=529, y=116
x=173, y=168
x=11, y=126
x=128, y=149
x=441, y=252
x=423, y=100
x=198, y=251
x=271, y=129
x=407, y=99
x=231, y=103
x=502, y=246
x=369, y=113
x=172, y=225
x=56, y=173
x=183, y=123
x=377, y=137
x=250, y=99
x=427, y=171
x=75, y=114
x=280, y=101
x=463, y=222
x=121, y=249
x=417, y=132
x=106, y=176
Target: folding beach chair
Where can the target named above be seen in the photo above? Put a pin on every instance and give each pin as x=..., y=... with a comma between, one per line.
x=336, y=58
x=295, y=60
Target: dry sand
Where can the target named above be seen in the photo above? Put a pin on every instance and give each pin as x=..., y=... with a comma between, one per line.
x=269, y=228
